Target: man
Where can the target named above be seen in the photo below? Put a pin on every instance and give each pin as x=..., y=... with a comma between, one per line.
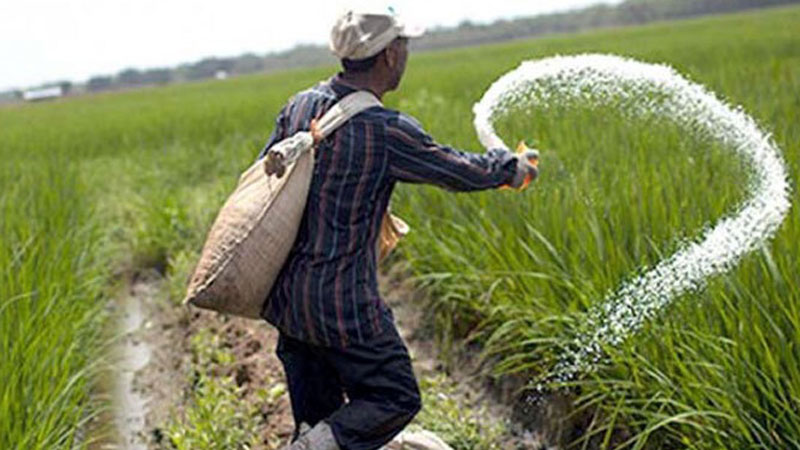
x=348, y=370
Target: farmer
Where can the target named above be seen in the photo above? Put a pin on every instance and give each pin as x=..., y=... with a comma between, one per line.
x=349, y=374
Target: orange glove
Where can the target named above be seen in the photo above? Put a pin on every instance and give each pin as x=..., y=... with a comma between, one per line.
x=527, y=168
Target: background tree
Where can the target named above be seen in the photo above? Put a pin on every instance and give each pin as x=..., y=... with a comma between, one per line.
x=99, y=83
x=129, y=77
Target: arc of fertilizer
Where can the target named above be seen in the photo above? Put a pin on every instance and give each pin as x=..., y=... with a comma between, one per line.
x=656, y=90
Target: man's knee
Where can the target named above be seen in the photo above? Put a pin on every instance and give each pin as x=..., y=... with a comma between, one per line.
x=410, y=403
x=416, y=402
x=407, y=395
x=412, y=409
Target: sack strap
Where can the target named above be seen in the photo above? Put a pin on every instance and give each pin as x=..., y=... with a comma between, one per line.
x=343, y=111
x=287, y=151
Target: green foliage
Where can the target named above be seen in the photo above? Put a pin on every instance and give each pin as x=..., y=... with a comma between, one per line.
x=515, y=272
x=95, y=182
x=463, y=428
x=49, y=315
x=216, y=417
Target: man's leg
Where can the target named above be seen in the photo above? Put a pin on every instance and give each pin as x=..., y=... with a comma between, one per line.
x=382, y=390
x=314, y=388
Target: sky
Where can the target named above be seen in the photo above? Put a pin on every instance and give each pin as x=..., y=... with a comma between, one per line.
x=50, y=40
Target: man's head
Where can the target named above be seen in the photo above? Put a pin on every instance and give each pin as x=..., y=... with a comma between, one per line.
x=372, y=43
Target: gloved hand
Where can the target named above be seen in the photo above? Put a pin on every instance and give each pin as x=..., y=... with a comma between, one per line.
x=527, y=167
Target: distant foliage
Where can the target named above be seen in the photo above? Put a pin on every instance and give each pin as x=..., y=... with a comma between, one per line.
x=99, y=83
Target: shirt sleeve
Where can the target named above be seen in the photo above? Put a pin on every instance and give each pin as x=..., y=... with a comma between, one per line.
x=277, y=133
x=414, y=157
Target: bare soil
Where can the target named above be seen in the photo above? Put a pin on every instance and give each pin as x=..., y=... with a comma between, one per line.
x=167, y=379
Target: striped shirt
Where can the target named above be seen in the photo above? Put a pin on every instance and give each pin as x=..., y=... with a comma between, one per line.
x=327, y=292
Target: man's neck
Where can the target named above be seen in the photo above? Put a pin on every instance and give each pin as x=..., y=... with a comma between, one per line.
x=365, y=81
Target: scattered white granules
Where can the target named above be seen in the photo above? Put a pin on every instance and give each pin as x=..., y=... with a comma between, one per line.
x=641, y=89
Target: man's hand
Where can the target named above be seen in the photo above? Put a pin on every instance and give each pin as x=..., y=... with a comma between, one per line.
x=527, y=167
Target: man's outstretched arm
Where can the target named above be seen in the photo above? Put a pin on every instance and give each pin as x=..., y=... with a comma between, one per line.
x=415, y=157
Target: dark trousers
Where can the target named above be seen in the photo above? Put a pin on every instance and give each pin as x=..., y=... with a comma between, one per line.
x=375, y=378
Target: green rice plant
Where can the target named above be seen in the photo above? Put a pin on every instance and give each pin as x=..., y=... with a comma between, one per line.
x=49, y=314
x=516, y=272
x=102, y=184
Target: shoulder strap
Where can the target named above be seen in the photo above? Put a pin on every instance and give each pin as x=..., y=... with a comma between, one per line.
x=344, y=110
x=287, y=151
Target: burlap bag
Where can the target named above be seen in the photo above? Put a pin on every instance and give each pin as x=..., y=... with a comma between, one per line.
x=257, y=226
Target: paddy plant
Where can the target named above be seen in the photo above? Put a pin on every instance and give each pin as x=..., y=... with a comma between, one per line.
x=517, y=273
x=96, y=187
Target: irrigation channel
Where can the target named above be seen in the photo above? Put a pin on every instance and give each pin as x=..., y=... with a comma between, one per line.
x=650, y=90
x=134, y=352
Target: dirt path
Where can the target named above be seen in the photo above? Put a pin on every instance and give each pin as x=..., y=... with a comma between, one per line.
x=154, y=393
x=155, y=389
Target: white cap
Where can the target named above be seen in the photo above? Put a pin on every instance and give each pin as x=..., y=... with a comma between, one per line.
x=360, y=35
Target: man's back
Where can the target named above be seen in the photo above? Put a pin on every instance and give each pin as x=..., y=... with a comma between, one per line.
x=327, y=293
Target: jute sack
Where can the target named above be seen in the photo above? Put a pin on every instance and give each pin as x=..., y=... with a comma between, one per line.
x=257, y=226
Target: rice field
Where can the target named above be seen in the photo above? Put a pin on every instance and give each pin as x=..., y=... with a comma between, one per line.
x=99, y=186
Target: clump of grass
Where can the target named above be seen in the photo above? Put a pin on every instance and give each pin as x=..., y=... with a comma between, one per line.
x=49, y=316
x=215, y=416
x=461, y=426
